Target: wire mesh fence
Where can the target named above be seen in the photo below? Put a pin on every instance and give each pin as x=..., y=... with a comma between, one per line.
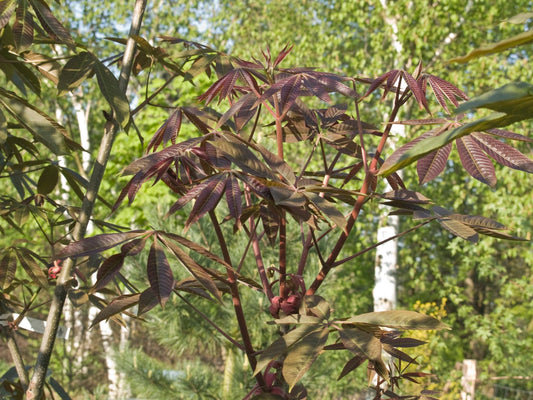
x=501, y=392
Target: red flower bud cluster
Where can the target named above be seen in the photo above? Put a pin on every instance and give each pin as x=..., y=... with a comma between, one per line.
x=54, y=270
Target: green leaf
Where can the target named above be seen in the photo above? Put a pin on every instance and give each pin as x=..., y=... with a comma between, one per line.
x=298, y=319
x=41, y=126
x=302, y=355
x=515, y=98
x=7, y=7
x=359, y=341
x=116, y=98
x=50, y=23
x=318, y=306
x=398, y=319
x=8, y=267
x=498, y=47
x=27, y=261
x=327, y=209
x=281, y=345
x=243, y=157
x=48, y=180
x=76, y=70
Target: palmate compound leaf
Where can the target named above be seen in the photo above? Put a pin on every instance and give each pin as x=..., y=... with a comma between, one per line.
x=159, y=273
x=302, y=355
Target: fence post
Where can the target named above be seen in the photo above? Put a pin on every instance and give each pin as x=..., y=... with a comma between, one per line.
x=468, y=381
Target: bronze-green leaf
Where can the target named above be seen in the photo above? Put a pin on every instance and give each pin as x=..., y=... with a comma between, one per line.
x=302, y=355
x=399, y=319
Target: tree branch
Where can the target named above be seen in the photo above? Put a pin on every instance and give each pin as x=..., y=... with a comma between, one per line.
x=63, y=282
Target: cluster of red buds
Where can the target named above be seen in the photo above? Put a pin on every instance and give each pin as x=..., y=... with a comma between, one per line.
x=54, y=270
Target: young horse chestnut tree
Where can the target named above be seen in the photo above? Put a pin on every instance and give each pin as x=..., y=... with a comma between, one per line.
x=279, y=146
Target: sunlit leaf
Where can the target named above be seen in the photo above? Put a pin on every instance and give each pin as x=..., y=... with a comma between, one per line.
x=40, y=125
x=498, y=47
x=407, y=155
x=514, y=98
x=280, y=346
x=398, y=319
x=116, y=98
x=302, y=355
x=78, y=69
x=7, y=7
x=502, y=153
x=23, y=28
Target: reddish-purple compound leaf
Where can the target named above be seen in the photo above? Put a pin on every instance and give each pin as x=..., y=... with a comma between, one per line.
x=402, y=342
x=108, y=270
x=196, y=248
x=146, y=162
x=116, y=306
x=509, y=135
x=431, y=165
x=400, y=355
x=208, y=198
x=475, y=161
x=168, y=131
x=376, y=83
x=98, y=243
x=243, y=110
x=134, y=247
x=187, y=197
x=159, y=273
x=444, y=89
x=234, y=198
x=502, y=153
x=320, y=83
x=23, y=28
x=282, y=54
x=147, y=301
x=417, y=90
x=200, y=273
x=352, y=365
